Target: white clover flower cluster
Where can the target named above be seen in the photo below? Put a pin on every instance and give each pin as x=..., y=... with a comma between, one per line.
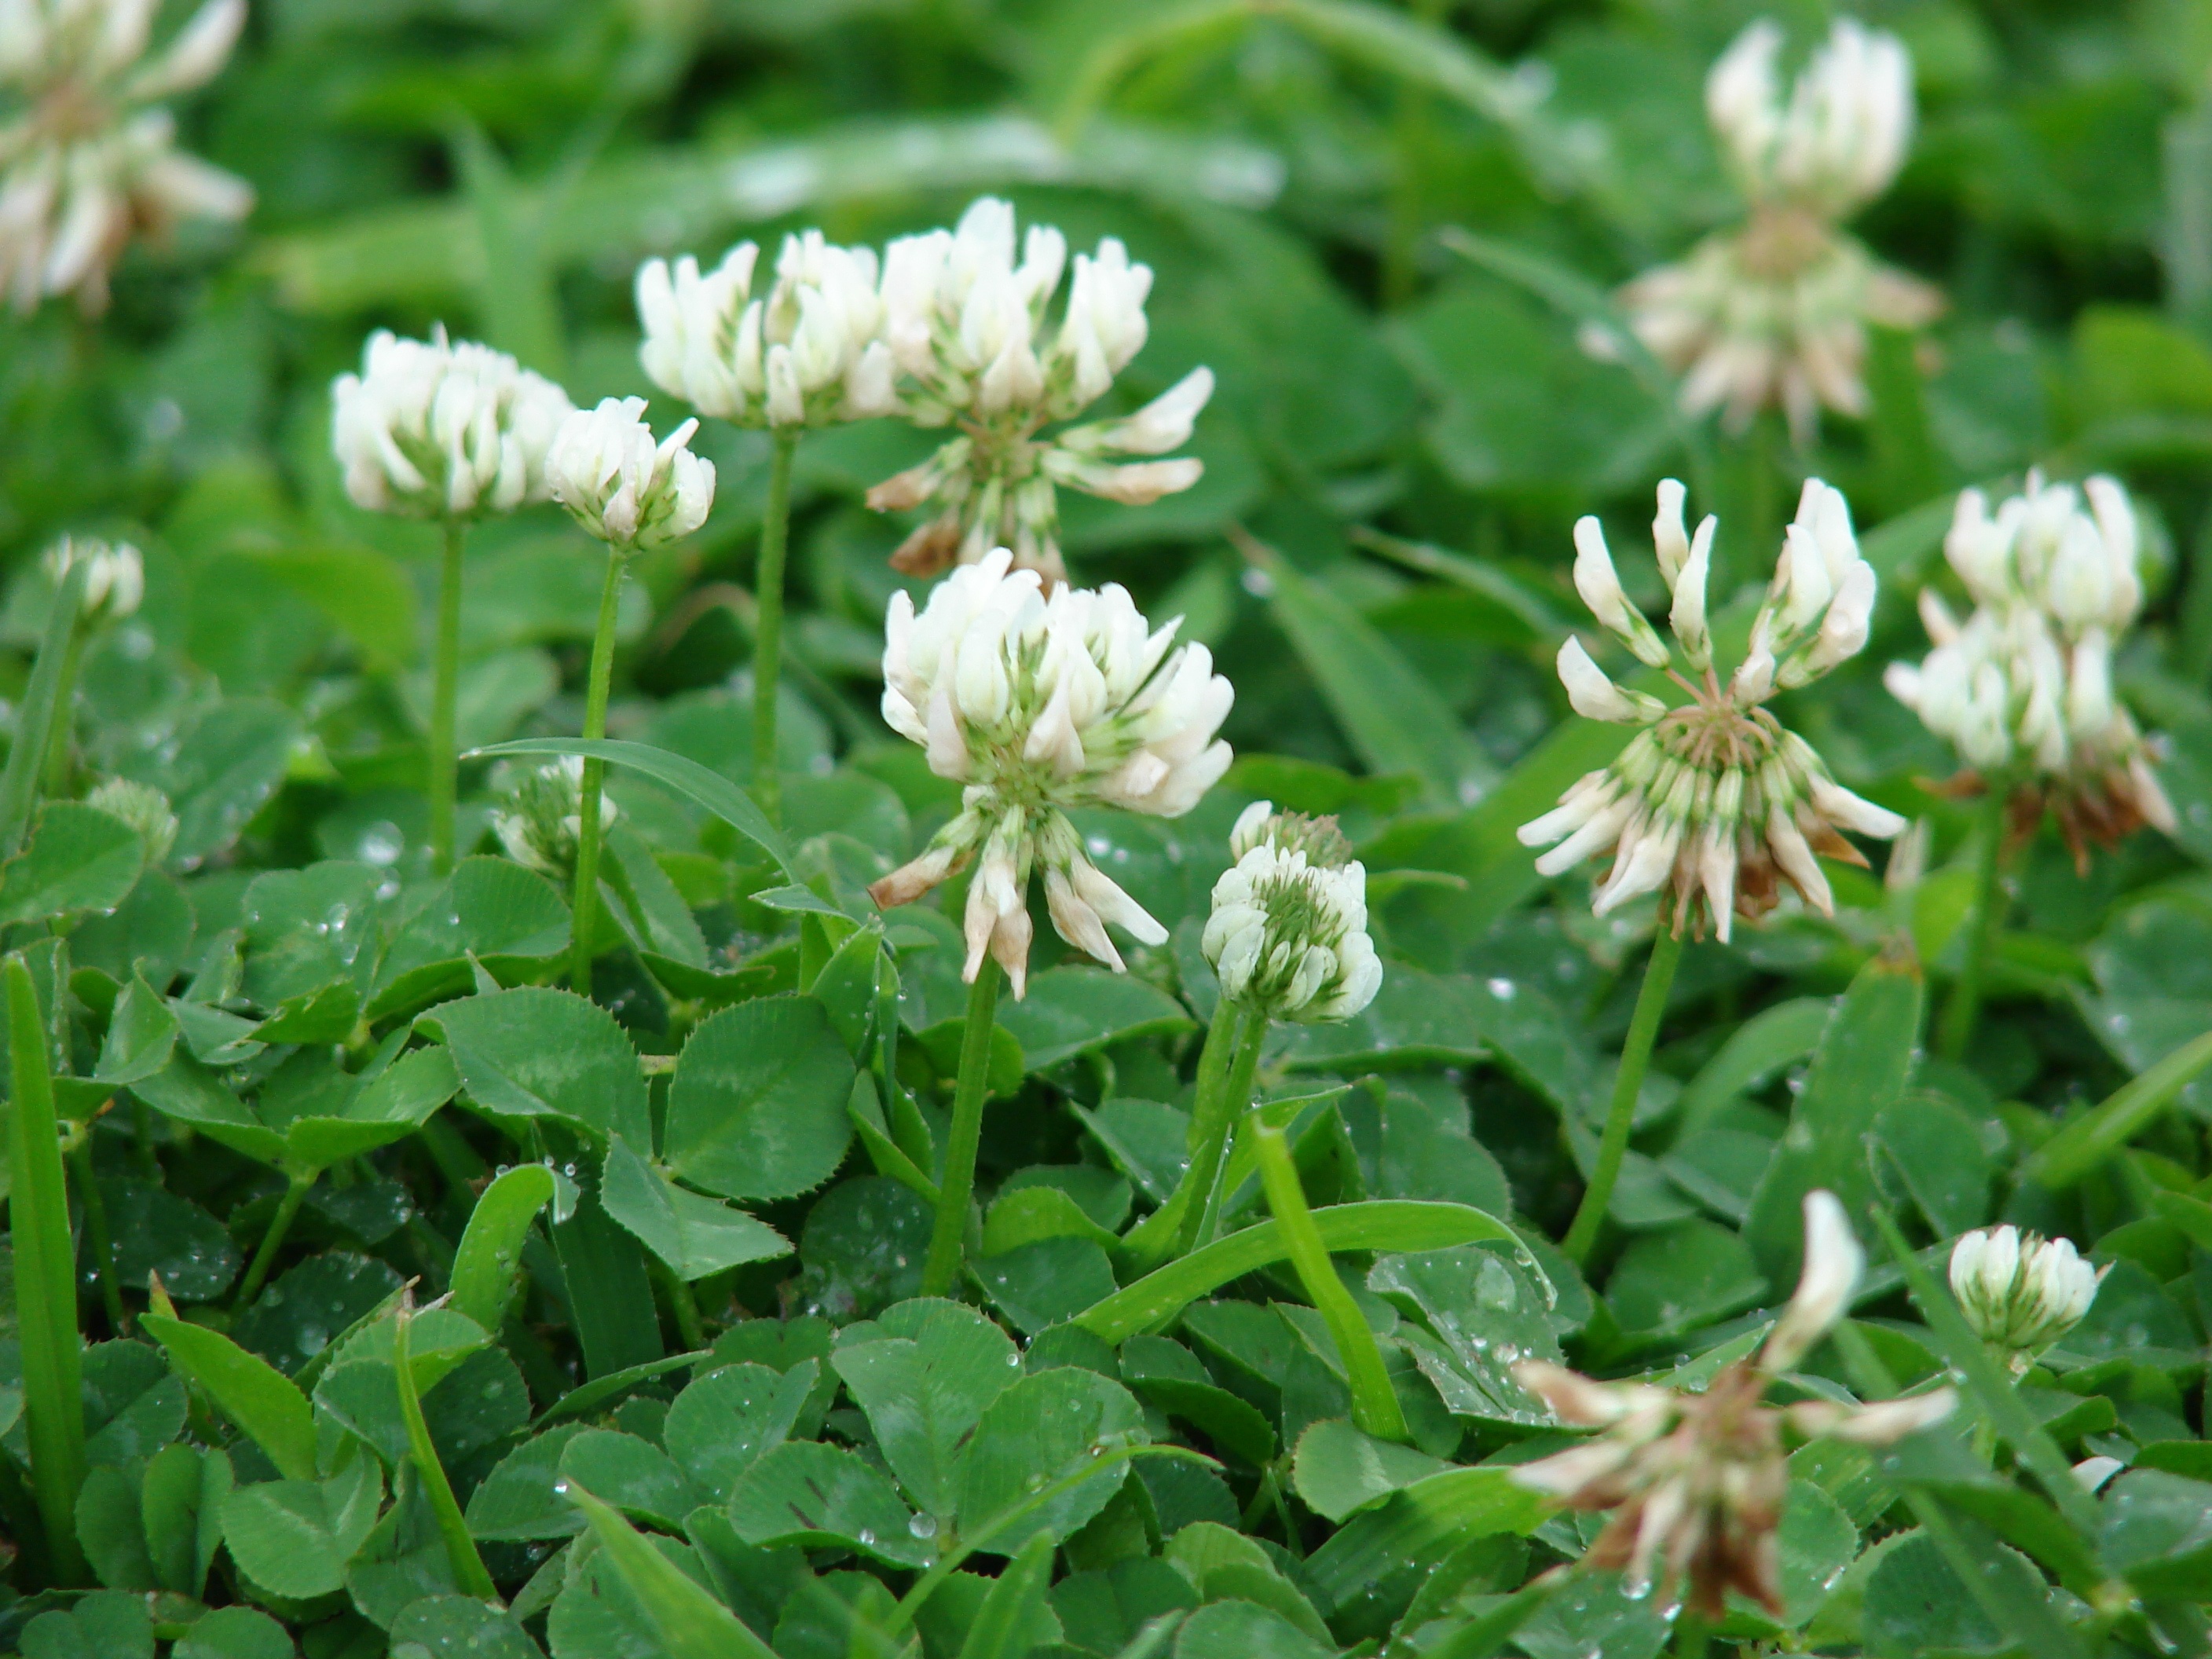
x=541, y=819
x=142, y=806
x=1288, y=932
x=1774, y=313
x=630, y=492
x=1696, y=1482
x=439, y=429
x=1039, y=705
x=2022, y=1292
x=90, y=160
x=809, y=352
x=114, y=577
x=969, y=331
x=2023, y=690
x=1715, y=798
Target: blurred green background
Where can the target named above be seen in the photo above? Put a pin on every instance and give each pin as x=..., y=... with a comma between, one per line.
x=1296, y=172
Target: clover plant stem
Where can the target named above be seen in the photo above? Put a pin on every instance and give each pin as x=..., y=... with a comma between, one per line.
x=287, y=1207
x=1203, y=1224
x=1635, y=1061
x=585, y=909
x=957, y=1184
x=767, y=630
x=1375, y=1407
x=1965, y=1008
x=1690, y=1633
x=96, y=1231
x=469, y=1570
x=46, y=1282
x=446, y=670
x=685, y=1308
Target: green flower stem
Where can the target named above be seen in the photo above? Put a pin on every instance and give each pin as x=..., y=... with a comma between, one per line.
x=1690, y=1633
x=1374, y=1400
x=63, y=741
x=958, y=1183
x=97, y=1233
x=1203, y=1224
x=446, y=672
x=287, y=1207
x=1634, y=1060
x=767, y=630
x=583, y=927
x=46, y=1282
x=469, y=1570
x=1965, y=1008
x=685, y=1306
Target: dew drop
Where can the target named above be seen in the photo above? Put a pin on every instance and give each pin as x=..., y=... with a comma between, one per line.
x=923, y=1526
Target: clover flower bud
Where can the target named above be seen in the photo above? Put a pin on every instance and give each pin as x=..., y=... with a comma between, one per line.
x=621, y=487
x=142, y=806
x=1775, y=313
x=541, y=819
x=1287, y=934
x=1695, y=1483
x=2020, y=1292
x=89, y=159
x=433, y=429
x=970, y=334
x=1040, y=705
x=114, y=577
x=2022, y=690
x=1715, y=800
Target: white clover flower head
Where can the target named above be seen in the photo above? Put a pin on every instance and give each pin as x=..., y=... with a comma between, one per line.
x=630, y=492
x=2023, y=689
x=114, y=577
x=142, y=806
x=1714, y=798
x=1041, y=704
x=1774, y=314
x=90, y=160
x=809, y=352
x=2022, y=1292
x=1842, y=136
x=1287, y=935
x=541, y=818
x=974, y=345
x=1696, y=1482
x=439, y=429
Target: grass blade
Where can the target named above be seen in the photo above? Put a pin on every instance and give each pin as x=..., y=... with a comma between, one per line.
x=691, y=1622
x=45, y=1275
x=2081, y=1146
x=491, y=1246
x=469, y=1570
x=1382, y=1223
x=688, y=778
x=35, y=717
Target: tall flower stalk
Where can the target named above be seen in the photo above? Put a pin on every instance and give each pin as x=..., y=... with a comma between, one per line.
x=1287, y=940
x=630, y=493
x=449, y=432
x=807, y=352
x=114, y=584
x=2022, y=690
x=1714, y=802
x=1037, y=706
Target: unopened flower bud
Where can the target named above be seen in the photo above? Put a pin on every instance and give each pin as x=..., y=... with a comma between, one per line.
x=541, y=819
x=115, y=576
x=1287, y=934
x=144, y=808
x=2019, y=1292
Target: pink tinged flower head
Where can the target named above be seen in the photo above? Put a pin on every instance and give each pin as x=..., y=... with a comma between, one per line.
x=1040, y=705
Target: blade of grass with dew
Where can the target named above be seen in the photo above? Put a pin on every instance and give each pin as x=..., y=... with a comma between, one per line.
x=490, y=1250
